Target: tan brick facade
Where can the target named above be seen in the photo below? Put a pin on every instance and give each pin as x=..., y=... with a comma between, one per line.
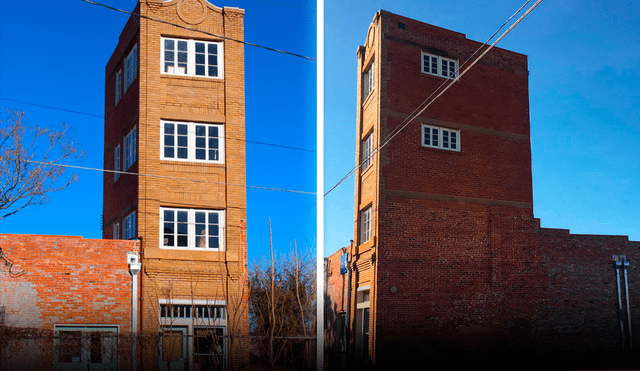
x=196, y=274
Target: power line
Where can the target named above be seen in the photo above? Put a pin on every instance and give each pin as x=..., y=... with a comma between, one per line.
x=204, y=32
x=167, y=177
x=99, y=116
x=444, y=86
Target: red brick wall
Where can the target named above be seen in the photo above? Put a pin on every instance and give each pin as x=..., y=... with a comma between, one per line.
x=66, y=280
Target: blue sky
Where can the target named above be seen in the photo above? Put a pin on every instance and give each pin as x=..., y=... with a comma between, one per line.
x=584, y=63
x=53, y=53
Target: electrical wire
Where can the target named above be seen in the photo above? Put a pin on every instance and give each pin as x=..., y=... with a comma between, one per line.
x=204, y=32
x=438, y=92
x=99, y=116
x=166, y=177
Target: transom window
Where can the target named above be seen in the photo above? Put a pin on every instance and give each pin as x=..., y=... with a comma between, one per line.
x=365, y=225
x=369, y=81
x=192, y=229
x=191, y=141
x=367, y=151
x=439, y=66
x=435, y=137
x=191, y=57
x=201, y=311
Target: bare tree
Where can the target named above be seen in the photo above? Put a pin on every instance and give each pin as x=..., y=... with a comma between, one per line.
x=30, y=159
x=282, y=307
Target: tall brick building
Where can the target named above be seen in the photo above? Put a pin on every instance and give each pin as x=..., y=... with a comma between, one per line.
x=447, y=257
x=173, y=95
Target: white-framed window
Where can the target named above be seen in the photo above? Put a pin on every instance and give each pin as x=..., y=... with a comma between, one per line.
x=365, y=225
x=439, y=66
x=116, y=231
x=81, y=347
x=368, y=80
x=192, y=57
x=443, y=138
x=192, y=229
x=129, y=149
x=116, y=163
x=190, y=141
x=130, y=67
x=118, y=86
x=129, y=224
x=367, y=152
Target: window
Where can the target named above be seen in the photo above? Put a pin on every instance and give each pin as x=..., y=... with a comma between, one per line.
x=209, y=348
x=116, y=231
x=439, y=66
x=118, y=86
x=190, y=141
x=130, y=67
x=192, y=229
x=191, y=57
x=116, y=163
x=86, y=346
x=129, y=146
x=129, y=224
x=365, y=225
x=200, y=311
x=368, y=81
x=367, y=152
x=442, y=138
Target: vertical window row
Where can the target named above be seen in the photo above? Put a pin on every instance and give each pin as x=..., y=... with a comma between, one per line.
x=192, y=142
x=367, y=151
x=365, y=225
x=368, y=81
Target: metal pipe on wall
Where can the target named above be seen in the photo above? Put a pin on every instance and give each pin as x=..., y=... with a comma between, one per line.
x=617, y=264
x=625, y=267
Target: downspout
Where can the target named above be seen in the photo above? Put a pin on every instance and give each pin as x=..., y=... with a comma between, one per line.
x=617, y=264
x=625, y=267
x=346, y=325
x=134, y=269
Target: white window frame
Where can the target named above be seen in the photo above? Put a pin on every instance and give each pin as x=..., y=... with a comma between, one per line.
x=118, y=86
x=367, y=152
x=116, y=162
x=130, y=67
x=190, y=64
x=191, y=141
x=116, y=230
x=129, y=226
x=368, y=81
x=442, y=138
x=191, y=230
x=365, y=225
x=129, y=149
x=442, y=67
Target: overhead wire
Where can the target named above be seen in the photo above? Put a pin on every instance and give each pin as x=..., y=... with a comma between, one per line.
x=200, y=31
x=440, y=90
x=100, y=116
x=167, y=177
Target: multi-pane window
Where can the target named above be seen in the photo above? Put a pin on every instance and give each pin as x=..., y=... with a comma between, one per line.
x=191, y=57
x=130, y=67
x=209, y=348
x=129, y=224
x=201, y=311
x=118, y=86
x=442, y=138
x=191, y=141
x=368, y=81
x=365, y=225
x=116, y=163
x=129, y=149
x=86, y=347
x=439, y=66
x=116, y=231
x=367, y=151
x=192, y=229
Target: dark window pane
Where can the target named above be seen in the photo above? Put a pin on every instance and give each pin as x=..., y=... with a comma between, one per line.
x=168, y=227
x=213, y=143
x=199, y=47
x=213, y=155
x=213, y=242
x=168, y=128
x=169, y=56
x=213, y=230
x=168, y=152
x=168, y=216
x=199, y=58
x=213, y=60
x=183, y=228
x=201, y=130
x=201, y=142
x=182, y=57
x=199, y=69
x=182, y=140
x=200, y=217
x=200, y=154
x=182, y=241
x=182, y=153
x=182, y=129
x=70, y=346
x=213, y=71
x=168, y=240
x=169, y=140
x=213, y=218
x=183, y=216
x=213, y=131
x=213, y=48
x=182, y=46
x=201, y=241
x=169, y=44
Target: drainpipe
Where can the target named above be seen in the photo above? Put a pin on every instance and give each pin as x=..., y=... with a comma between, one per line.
x=625, y=266
x=134, y=269
x=347, y=324
x=617, y=264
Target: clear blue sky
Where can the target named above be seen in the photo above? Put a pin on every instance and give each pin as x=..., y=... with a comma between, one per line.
x=53, y=53
x=584, y=63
